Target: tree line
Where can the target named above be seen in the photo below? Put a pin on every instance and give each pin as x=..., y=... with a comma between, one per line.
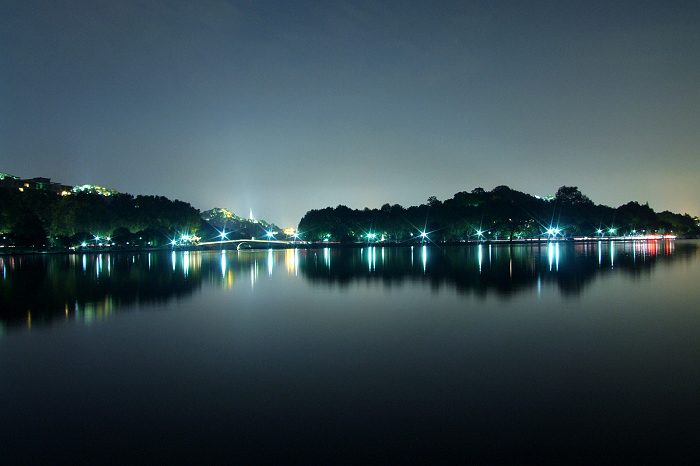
x=502, y=213
x=36, y=219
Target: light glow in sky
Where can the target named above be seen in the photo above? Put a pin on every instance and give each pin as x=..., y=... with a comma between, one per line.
x=281, y=107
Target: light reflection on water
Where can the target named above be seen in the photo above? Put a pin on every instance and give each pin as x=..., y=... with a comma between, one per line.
x=136, y=277
x=484, y=353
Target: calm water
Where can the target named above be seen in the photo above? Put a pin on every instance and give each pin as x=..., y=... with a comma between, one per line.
x=481, y=353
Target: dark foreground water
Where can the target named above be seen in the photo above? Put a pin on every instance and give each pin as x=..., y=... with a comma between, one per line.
x=564, y=353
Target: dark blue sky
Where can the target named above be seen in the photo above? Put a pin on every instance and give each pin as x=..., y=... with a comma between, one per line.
x=284, y=106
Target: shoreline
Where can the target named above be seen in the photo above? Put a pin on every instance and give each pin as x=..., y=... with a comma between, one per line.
x=338, y=245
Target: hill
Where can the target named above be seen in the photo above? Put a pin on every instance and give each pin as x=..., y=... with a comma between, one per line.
x=220, y=222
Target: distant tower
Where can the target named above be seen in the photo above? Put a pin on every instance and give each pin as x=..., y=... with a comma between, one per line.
x=251, y=214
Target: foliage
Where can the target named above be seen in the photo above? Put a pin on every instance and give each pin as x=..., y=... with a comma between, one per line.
x=502, y=213
x=37, y=219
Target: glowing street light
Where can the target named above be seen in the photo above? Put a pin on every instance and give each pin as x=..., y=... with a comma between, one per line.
x=423, y=236
x=552, y=232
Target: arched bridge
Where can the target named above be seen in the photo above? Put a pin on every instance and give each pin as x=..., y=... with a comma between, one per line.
x=240, y=243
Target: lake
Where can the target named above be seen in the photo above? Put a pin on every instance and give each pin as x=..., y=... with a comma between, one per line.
x=481, y=353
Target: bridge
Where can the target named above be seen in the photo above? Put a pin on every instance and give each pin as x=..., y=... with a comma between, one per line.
x=241, y=242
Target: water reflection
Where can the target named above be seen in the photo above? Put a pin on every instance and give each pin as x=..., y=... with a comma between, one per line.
x=501, y=269
x=41, y=288
x=270, y=262
x=553, y=252
x=292, y=261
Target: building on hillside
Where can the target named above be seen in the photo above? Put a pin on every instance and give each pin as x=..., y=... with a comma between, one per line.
x=88, y=188
x=38, y=184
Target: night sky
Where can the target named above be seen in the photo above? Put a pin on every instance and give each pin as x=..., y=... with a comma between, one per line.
x=285, y=106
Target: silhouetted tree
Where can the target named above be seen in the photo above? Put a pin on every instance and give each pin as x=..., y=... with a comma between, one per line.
x=29, y=232
x=570, y=195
